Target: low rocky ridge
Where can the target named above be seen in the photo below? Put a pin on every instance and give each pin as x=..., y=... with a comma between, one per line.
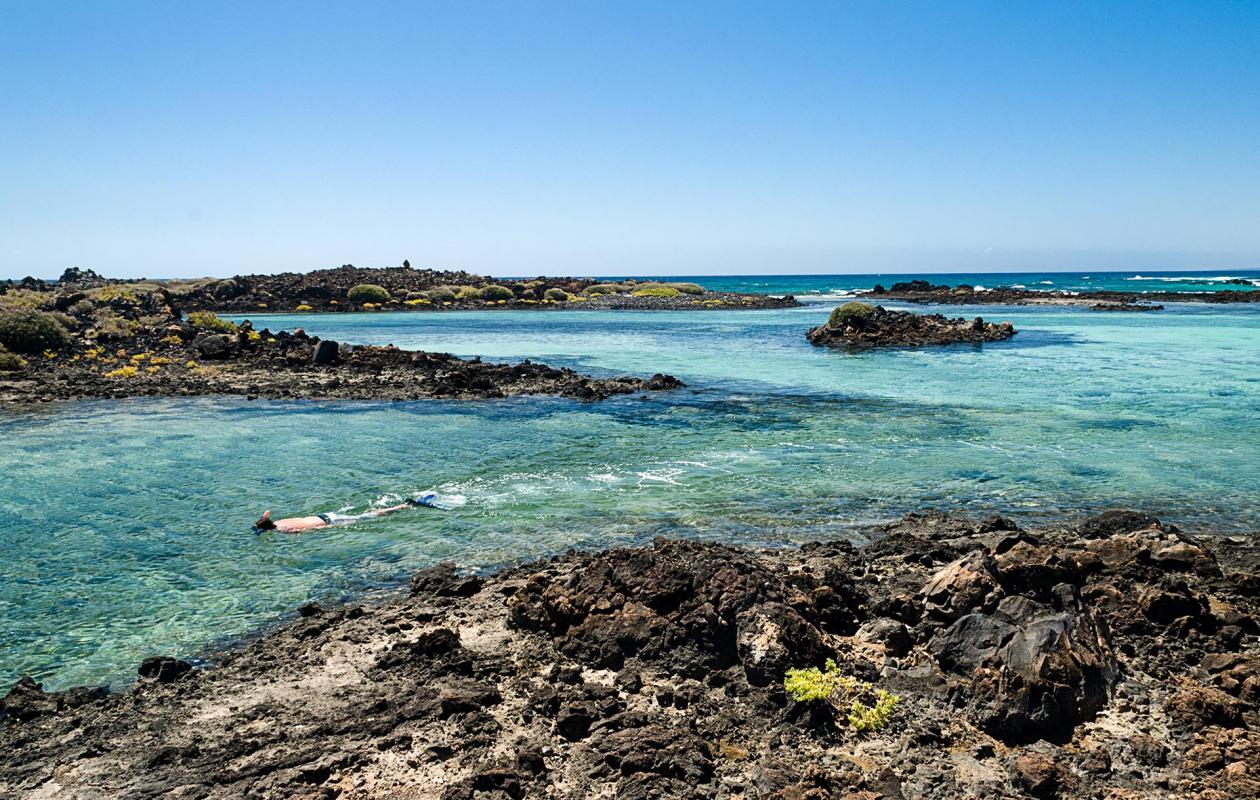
x=857, y=325
x=1115, y=658
x=921, y=291
x=110, y=341
x=350, y=288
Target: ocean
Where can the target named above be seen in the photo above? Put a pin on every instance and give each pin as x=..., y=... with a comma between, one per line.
x=125, y=524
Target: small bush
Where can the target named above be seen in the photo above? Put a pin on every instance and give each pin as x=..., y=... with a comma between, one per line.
x=10, y=362
x=24, y=300
x=688, y=288
x=82, y=308
x=497, y=292
x=303, y=307
x=111, y=293
x=368, y=293
x=466, y=292
x=441, y=294
x=601, y=288
x=657, y=291
x=208, y=320
x=556, y=295
x=844, y=693
x=109, y=324
x=31, y=332
x=842, y=315
x=123, y=373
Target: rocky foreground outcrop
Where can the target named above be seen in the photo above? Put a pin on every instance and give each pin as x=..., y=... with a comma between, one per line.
x=921, y=291
x=114, y=342
x=858, y=325
x=1114, y=658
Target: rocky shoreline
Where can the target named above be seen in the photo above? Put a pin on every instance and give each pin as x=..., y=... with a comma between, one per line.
x=381, y=289
x=920, y=291
x=860, y=325
x=113, y=342
x=1115, y=657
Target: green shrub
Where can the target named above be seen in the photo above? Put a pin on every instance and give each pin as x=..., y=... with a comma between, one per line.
x=556, y=295
x=10, y=362
x=110, y=325
x=467, y=292
x=441, y=294
x=656, y=291
x=688, y=288
x=65, y=320
x=852, y=310
x=497, y=292
x=601, y=288
x=24, y=299
x=82, y=308
x=112, y=293
x=368, y=293
x=208, y=320
x=31, y=332
x=844, y=693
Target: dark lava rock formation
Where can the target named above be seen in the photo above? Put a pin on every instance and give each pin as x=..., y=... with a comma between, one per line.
x=1115, y=658
x=122, y=342
x=921, y=291
x=859, y=325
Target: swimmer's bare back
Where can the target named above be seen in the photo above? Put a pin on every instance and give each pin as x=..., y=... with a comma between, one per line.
x=317, y=521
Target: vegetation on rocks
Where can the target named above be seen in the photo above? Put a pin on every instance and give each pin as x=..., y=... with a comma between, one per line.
x=27, y=332
x=556, y=295
x=844, y=693
x=842, y=315
x=656, y=291
x=208, y=320
x=10, y=362
x=496, y=292
x=368, y=293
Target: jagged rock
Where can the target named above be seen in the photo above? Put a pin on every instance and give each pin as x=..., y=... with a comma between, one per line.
x=882, y=327
x=1031, y=671
x=164, y=669
x=326, y=352
x=961, y=586
x=442, y=580
x=1117, y=521
x=215, y=345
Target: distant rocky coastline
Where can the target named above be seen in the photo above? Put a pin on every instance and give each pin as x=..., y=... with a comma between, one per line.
x=85, y=339
x=921, y=291
x=349, y=288
x=861, y=325
x=948, y=658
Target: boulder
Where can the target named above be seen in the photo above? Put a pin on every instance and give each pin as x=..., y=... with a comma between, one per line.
x=442, y=580
x=1117, y=521
x=164, y=669
x=326, y=352
x=1028, y=670
x=961, y=586
x=215, y=345
x=772, y=638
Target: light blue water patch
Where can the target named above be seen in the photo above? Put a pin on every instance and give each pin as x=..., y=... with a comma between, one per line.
x=125, y=524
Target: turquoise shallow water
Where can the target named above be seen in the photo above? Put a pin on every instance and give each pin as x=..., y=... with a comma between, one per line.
x=125, y=524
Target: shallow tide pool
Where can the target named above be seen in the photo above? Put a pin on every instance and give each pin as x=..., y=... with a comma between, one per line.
x=125, y=525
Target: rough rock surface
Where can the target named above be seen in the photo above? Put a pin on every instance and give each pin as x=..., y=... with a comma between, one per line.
x=1027, y=663
x=903, y=329
x=138, y=343
x=920, y=291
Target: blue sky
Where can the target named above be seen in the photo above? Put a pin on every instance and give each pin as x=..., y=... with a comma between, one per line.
x=181, y=139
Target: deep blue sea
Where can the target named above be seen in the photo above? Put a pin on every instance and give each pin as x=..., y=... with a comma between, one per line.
x=125, y=525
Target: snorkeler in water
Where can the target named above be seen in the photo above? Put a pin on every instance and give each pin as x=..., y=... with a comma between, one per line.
x=316, y=521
